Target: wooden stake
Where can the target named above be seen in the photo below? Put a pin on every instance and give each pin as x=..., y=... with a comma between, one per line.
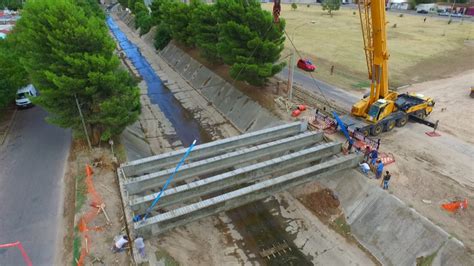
x=102, y=207
x=87, y=247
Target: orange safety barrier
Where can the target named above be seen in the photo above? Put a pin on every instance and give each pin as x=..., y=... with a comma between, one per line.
x=386, y=158
x=89, y=215
x=89, y=171
x=325, y=123
x=454, y=206
x=18, y=245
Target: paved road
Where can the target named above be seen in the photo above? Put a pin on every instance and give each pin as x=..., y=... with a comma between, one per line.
x=32, y=161
x=334, y=94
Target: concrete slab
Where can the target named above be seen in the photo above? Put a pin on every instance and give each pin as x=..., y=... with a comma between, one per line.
x=165, y=160
x=160, y=223
x=157, y=179
x=238, y=176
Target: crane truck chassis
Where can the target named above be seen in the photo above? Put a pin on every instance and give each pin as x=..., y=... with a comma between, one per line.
x=409, y=106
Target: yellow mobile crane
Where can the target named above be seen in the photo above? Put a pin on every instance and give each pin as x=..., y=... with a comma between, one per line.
x=382, y=109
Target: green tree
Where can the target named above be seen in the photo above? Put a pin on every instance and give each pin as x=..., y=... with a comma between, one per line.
x=205, y=31
x=142, y=17
x=331, y=5
x=140, y=7
x=163, y=36
x=131, y=4
x=145, y=23
x=123, y=3
x=178, y=16
x=249, y=41
x=91, y=8
x=163, y=31
x=12, y=73
x=294, y=6
x=68, y=54
x=157, y=11
x=11, y=4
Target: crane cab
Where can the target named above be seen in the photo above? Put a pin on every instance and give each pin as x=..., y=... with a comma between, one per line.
x=379, y=110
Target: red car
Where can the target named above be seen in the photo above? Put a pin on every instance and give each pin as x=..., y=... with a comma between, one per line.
x=306, y=65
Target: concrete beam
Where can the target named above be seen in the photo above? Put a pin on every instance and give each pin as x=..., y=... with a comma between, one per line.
x=226, y=180
x=163, y=222
x=166, y=160
x=154, y=180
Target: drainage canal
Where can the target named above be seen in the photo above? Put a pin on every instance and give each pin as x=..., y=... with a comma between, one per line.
x=261, y=231
x=187, y=129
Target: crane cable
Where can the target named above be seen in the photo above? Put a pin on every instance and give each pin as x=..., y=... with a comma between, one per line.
x=311, y=74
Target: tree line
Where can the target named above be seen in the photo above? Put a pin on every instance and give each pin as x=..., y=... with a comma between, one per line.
x=234, y=32
x=11, y=4
x=64, y=49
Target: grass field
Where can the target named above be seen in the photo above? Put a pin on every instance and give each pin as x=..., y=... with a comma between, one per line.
x=418, y=50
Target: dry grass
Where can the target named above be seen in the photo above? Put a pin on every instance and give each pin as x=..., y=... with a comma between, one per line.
x=418, y=50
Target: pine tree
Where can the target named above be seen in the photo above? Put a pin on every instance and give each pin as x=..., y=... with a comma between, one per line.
x=12, y=74
x=11, y=4
x=249, y=41
x=205, y=30
x=68, y=53
x=177, y=16
x=143, y=18
x=163, y=31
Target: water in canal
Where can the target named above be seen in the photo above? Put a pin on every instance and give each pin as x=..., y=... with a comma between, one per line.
x=259, y=228
x=187, y=129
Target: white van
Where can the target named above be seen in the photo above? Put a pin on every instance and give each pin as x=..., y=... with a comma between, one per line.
x=24, y=94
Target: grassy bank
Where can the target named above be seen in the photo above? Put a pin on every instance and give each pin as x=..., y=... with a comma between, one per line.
x=418, y=50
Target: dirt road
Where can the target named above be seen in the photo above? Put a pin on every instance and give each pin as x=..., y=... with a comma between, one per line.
x=436, y=169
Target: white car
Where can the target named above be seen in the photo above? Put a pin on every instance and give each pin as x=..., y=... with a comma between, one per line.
x=24, y=95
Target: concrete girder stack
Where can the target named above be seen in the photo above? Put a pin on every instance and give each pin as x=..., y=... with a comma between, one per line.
x=226, y=174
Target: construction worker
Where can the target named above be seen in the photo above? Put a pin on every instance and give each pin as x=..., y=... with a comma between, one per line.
x=365, y=168
x=367, y=153
x=140, y=246
x=374, y=154
x=386, y=179
x=120, y=244
x=378, y=172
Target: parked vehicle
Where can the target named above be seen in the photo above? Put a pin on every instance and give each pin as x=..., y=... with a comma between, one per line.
x=24, y=95
x=426, y=8
x=306, y=65
x=455, y=15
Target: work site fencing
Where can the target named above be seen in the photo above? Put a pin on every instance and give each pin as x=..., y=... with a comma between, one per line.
x=96, y=203
x=22, y=250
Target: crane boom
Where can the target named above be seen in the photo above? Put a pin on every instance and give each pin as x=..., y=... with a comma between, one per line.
x=374, y=35
x=382, y=109
x=373, y=24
